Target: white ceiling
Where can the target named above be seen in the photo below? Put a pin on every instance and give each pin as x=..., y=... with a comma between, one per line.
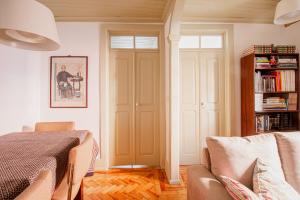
x=259, y=11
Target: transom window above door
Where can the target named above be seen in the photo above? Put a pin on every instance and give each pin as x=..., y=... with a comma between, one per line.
x=201, y=42
x=134, y=42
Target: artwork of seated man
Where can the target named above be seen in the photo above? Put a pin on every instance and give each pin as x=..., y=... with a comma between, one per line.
x=64, y=86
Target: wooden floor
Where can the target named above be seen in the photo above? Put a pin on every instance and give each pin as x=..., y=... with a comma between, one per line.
x=139, y=184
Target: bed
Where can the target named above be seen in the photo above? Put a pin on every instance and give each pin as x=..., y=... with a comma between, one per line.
x=49, y=165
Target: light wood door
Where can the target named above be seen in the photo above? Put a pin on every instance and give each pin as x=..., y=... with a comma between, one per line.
x=134, y=77
x=146, y=114
x=202, y=101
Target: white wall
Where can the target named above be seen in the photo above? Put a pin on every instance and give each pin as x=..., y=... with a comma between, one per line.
x=78, y=39
x=246, y=35
x=19, y=88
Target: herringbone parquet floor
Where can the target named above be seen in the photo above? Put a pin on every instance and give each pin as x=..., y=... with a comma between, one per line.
x=133, y=184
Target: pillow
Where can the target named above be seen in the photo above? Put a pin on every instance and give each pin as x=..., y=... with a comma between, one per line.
x=235, y=157
x=237, y=190
x=269, y=186
x=289, y=151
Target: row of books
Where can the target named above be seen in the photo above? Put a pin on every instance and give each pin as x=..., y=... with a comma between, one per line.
x=262, y=60
x=259, y=49
x=264, y=63
x=268, y=49
x=287, y=60
x=287, y=63
x=285, y=49
x=275, y=81
x=276, y=102
x=270, y=103
x=273, y=122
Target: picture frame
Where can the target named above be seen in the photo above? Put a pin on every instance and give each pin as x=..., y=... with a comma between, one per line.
x=68, y=82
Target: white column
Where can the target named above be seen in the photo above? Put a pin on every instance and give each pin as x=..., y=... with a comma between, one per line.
x=174, y=108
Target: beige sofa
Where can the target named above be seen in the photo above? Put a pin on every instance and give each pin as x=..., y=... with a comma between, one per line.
x=235, y=157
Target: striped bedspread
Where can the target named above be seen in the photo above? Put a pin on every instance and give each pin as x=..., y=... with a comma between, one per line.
x=24, y=155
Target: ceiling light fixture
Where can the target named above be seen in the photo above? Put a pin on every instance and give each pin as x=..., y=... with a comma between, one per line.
x=28, y=24
x=287, y=12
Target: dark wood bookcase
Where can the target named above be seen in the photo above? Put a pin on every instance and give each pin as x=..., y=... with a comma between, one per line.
x=249, y=116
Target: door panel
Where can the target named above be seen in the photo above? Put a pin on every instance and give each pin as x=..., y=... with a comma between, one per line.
x=123, y=133
x=145, y=76
x=146, y=112
x=212, y=80
x=189, y=87
x=190, y=147
x=121, y=75
x=146, y=129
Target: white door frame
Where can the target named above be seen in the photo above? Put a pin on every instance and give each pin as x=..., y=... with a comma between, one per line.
x=106, y=31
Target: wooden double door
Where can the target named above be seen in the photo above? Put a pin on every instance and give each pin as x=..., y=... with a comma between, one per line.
x=202, y=85
x=134, y=79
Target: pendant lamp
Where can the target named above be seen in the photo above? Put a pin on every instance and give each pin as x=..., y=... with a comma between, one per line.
x=287, y=12
x=28, y=24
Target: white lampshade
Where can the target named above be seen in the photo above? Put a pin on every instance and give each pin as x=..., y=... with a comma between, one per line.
x=27, y=24
x=287, y=11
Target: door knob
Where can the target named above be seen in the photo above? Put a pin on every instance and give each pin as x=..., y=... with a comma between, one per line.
x=202, y=103
x=137, y=104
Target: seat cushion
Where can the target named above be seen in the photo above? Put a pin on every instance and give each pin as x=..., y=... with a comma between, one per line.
x=235, y=157
x=268, y=185
x=289, y=151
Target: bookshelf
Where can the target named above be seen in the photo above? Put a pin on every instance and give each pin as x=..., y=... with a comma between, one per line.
x=269, y=93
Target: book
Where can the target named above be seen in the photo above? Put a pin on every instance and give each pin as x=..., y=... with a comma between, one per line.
x=258, y=102
x=292, y=101
x=259, y=121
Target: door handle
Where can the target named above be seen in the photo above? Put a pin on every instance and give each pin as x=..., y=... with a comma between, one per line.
x=202, y=103
x=137, y=104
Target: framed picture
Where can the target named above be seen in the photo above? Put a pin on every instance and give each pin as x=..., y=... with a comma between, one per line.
x=68, y=82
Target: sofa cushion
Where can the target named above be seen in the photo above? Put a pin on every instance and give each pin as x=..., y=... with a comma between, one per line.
x=268, y=185
x=289, y=151
x=237, y=190
x=235, y=157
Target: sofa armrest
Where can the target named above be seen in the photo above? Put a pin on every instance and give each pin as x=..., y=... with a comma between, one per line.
x=202, y=185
